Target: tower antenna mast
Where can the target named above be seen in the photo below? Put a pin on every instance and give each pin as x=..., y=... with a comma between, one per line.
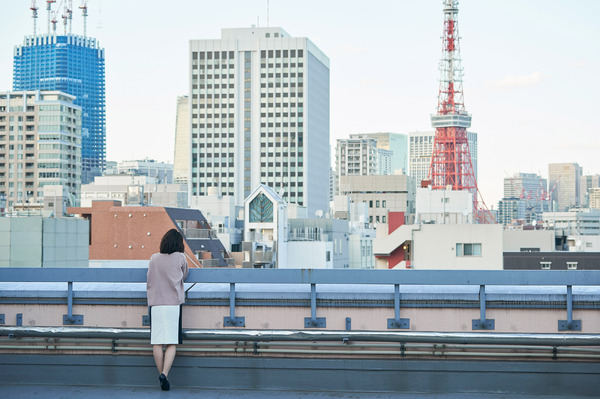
x=451, y=166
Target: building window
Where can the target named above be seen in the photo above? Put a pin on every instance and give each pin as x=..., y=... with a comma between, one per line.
x=545, y=265
x=261, y=209
x=468, y=249
x=328, y=256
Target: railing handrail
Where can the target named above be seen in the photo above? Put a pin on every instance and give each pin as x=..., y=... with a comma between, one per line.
x=315, y=276
x=312, y=335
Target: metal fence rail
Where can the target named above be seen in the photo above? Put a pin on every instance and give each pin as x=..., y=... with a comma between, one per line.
x=480, y=278
x=487, y=338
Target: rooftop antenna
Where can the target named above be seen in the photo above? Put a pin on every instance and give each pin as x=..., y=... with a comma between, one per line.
x=34, y=9
x=83, y=8
x=49, y=8
x=267, y=13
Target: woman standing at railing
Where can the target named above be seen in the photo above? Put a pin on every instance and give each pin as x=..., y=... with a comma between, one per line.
x=166, y=272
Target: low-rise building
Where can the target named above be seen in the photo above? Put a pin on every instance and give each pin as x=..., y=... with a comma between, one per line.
x=382, y=194
x=438, y=246
x=37, y=241
x=444, y=206
x=576, y=222
x=161, y=171
x=134, y=190
x=127, y=236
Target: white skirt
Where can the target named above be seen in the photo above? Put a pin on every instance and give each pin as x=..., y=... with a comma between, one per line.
x=165, y=325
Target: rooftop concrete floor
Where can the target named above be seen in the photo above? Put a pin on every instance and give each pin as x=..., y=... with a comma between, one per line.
x=84, y=392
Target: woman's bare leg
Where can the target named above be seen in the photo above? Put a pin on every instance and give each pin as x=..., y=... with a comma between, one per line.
x=157, y=351
x=168, y=359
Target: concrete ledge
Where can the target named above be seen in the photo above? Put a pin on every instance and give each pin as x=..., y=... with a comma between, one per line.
x=311, y=375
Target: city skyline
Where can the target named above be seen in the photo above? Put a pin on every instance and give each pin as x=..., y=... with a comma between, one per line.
x=529, y=85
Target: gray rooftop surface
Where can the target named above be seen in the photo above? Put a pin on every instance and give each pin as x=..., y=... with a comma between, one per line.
x=84, y=392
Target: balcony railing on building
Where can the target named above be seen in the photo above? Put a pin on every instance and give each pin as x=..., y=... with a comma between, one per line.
x=308, y=234
x=256, y=236
x=262, y=256
x=199, y=233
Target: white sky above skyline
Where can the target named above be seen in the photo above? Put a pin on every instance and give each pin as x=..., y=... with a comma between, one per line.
x=530, y=70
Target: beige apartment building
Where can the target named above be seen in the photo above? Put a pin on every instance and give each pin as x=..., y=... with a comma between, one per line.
x=181, y=168
x=594, y=197
x=564, y=181
x=40, y=145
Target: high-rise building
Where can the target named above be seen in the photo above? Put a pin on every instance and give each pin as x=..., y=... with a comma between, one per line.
x=40, y=145
x=356, y=157
x=74, y=65
x=420, y=149
x=260, y=115
x=525, y=199
x=586, y=183
x=565, y=179
x=594, y=197
x=181, y=167
x=396, y=143
x=524, y=185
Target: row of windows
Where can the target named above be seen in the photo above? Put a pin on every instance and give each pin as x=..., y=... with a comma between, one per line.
x=383, y=219
x=216, y=95
x=280, y=53
x=213, y=55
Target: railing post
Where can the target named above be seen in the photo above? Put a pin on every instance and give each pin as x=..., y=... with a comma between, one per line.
x=70, y=318
x=313, y=320
x=482, y=323
x=233, y=321
x=569, y=324
x=397, y=322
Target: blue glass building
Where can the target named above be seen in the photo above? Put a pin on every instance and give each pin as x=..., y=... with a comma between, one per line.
x=74, y=65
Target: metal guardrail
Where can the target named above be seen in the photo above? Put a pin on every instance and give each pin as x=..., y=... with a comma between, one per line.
x=314, y=335
x=566, y=278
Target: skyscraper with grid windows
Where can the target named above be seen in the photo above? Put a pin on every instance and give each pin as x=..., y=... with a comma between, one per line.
x=260, y=115
x=75, y=65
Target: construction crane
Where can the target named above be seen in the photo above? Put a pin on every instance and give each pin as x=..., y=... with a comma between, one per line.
x=68, y=15
x=83, y=8
x=49, y=8
x=34, y=8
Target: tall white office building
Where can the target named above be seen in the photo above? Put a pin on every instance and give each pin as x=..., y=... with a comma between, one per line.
x=260, y=115
x=420, y=149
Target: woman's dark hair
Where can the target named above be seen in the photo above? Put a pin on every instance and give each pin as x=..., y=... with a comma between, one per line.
x=171, y=242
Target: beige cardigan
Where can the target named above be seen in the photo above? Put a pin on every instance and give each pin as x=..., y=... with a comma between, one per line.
x=166, y=273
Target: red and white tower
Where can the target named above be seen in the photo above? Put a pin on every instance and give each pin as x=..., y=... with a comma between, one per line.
x=451, y=166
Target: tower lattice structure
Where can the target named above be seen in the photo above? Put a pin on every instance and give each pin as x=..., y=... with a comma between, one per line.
x=451, y=166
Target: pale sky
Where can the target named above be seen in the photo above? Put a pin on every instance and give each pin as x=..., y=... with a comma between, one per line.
x=530, y=67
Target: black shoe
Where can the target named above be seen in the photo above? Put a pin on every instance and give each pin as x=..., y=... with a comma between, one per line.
x=164, y=383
